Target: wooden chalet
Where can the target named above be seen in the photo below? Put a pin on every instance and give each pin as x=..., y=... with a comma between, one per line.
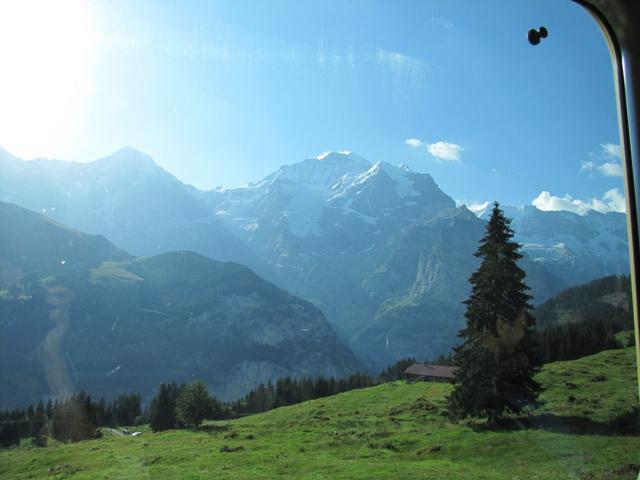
x=430, y=373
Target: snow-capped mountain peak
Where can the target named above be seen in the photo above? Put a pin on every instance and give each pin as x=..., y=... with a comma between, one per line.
x=398, y=175
x=322, y=172
x=332, y=156
x=340, y=185
x=125, y=158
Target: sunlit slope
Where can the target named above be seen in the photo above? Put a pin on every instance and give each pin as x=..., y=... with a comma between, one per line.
x=33, y=245
x=388, y=431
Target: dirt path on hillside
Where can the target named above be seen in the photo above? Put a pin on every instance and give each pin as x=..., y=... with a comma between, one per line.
x=50, y=350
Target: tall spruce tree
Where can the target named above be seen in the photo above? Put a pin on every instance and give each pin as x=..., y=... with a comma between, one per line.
x=497, y=359
x=163, y=407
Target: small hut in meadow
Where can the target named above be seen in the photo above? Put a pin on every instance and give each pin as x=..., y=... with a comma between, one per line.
x=429, y=373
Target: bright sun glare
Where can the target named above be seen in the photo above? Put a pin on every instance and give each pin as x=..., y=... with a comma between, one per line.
x=46, y=53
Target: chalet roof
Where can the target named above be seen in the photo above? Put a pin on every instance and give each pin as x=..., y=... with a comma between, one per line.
x=426, y=370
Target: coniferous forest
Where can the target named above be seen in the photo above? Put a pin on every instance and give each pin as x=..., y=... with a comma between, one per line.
x=74, y=418
x=585, y=319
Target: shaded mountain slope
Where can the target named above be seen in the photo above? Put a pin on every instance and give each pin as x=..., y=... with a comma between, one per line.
x=607, y=298
x=116, y=323
x=127, y=198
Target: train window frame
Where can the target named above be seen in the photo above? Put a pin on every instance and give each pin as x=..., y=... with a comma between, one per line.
x=615, y=19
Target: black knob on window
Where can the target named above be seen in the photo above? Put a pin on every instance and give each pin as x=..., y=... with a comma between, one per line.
x=534, y=35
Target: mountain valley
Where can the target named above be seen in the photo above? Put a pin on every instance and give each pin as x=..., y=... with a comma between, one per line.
x=380, y=249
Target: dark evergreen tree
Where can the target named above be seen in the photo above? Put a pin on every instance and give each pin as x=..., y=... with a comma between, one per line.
x=101, y=413
x=162, y=411
x=497, y=359
x=74, y=419
x=396, y=371
x=321, y=388
x=9, y=434
x=39, y=420
x=127, y=408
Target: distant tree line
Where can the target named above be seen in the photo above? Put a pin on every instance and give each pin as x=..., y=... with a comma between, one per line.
x=174, y=406
x=584, y=320
x=606, y=298
x=577, y=339
x=72, y=419
x=167, y=411
x=79, y=417
x=180, y=406
x=289, y=391
x=396, y=371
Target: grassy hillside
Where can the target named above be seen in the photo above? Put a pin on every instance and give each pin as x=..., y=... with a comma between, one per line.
x=395, y=430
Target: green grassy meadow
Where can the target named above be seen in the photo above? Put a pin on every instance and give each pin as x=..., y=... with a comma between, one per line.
x=395, y=431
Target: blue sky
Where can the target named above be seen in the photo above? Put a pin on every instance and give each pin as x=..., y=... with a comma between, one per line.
x=223, y=93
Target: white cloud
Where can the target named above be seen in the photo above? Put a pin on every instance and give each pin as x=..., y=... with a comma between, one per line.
x=611, y=150
x=607, y=162
x=586, y=166
x=477, y=207
x=441, y=151
x=445, y=151
x=611, y=201
x=611, y=169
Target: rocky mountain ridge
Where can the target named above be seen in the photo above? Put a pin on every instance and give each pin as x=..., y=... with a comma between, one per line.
x=382, y=250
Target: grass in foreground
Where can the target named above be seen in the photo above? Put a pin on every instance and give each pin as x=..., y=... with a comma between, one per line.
x=395, y=430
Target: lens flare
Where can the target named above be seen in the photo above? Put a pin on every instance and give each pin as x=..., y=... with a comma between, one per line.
x=46, y=53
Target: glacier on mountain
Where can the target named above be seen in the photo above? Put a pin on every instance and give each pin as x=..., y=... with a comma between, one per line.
x=299, y=193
